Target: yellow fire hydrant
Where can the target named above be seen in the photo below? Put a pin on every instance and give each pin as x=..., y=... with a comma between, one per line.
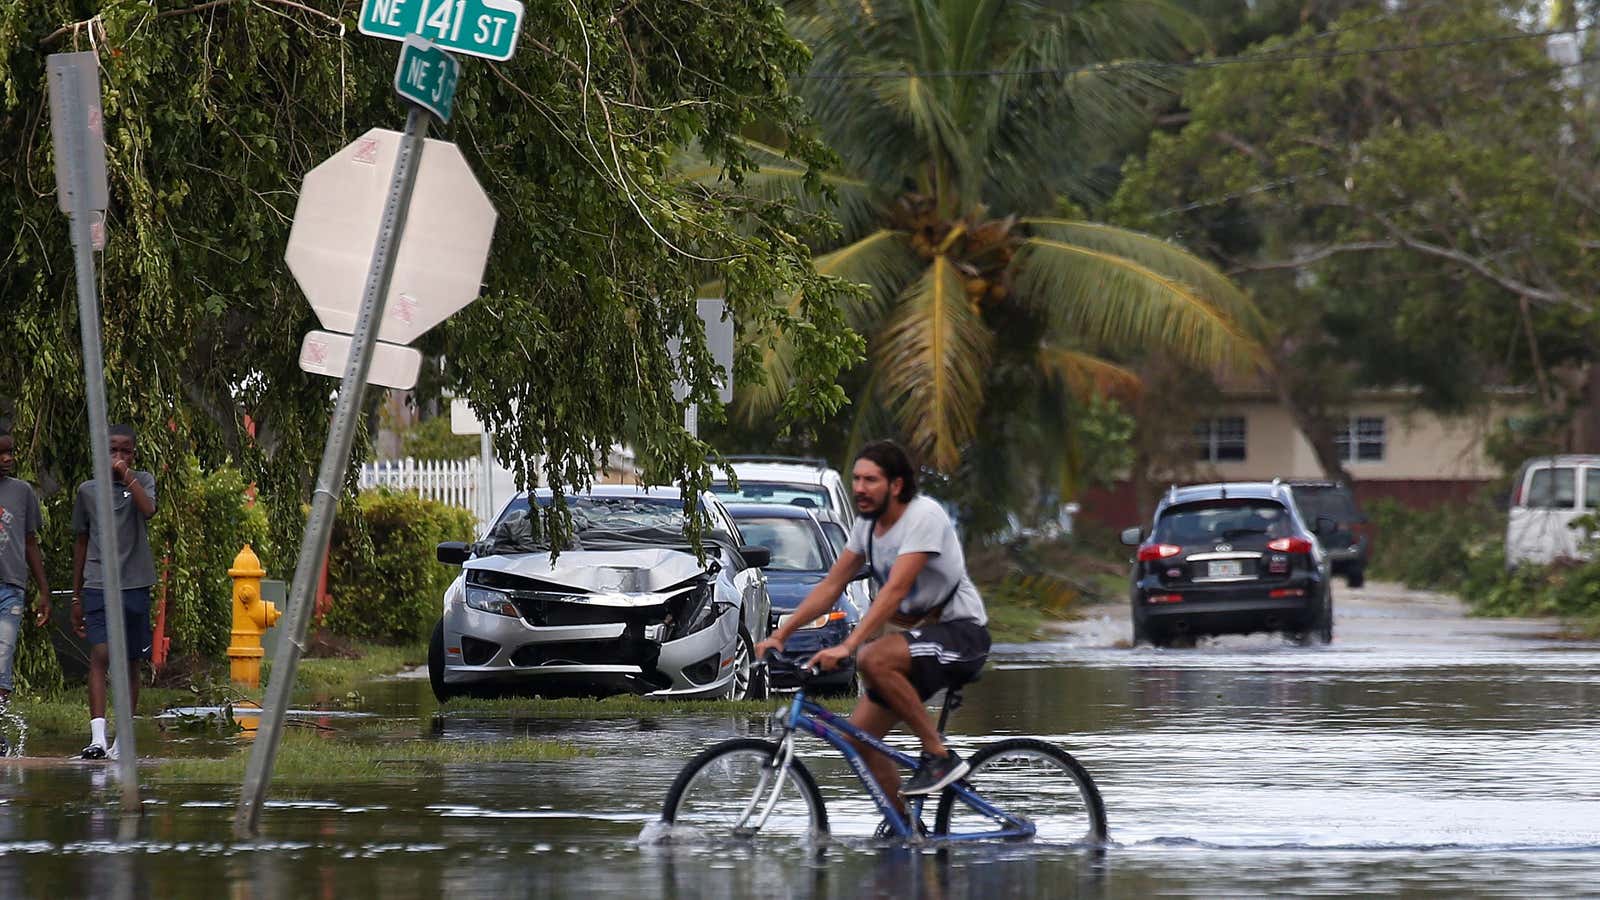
x=251, y=617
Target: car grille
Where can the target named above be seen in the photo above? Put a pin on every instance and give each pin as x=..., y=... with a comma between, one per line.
x=542, y=609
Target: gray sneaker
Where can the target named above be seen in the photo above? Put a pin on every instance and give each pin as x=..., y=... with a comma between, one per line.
x=935, y=774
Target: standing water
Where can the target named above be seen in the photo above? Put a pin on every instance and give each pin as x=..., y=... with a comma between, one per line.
x=1423, y=753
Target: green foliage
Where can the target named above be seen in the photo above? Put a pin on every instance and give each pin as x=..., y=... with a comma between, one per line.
x=314, y=758
x=203, y=521
x=1461, y=548
x=386, y=583
x=213, y=113
x=988, y=323
x=1438, y=549
x=431, y=439
x=1424, y=218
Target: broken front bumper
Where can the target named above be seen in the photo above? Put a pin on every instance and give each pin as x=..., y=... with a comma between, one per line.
x=486, y=649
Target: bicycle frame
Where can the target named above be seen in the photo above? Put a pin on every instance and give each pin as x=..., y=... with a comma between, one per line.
x=806, y=715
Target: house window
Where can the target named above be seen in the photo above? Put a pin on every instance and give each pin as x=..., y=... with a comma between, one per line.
x=1361, y=440
x=1220, y=439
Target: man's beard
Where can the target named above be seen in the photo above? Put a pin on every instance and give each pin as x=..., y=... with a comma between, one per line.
x=873, y=514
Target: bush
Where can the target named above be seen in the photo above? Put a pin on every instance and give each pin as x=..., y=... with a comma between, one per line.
x=1434, y=549
x=386, y=583
x=203, y=520
x=1461, y=548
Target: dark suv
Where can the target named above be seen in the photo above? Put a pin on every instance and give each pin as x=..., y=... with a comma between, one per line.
x=1229, y=559
x=1348, y=544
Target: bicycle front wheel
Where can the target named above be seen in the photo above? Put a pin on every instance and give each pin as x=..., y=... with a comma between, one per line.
x=1032, y=780
x=727, y=790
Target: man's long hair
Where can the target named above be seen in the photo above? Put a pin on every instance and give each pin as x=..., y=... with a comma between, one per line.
x=895, y=463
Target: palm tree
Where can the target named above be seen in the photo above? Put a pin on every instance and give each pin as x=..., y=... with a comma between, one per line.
x=960, y=125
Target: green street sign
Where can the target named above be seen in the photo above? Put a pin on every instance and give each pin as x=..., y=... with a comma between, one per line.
x=486, y=28
x=427, y=76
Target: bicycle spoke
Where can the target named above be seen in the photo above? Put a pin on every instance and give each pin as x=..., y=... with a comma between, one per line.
x=746, y=790
x=1036, y=785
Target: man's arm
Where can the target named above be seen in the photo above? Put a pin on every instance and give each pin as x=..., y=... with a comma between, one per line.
x=907, y=566
x=143, y=499
x=36, y=565
x=823, y=596
x=80, y=553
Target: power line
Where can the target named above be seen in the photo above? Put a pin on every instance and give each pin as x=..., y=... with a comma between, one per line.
x=1254, y=59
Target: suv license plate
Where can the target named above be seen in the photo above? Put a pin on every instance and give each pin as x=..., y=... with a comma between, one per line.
x=1231, y=568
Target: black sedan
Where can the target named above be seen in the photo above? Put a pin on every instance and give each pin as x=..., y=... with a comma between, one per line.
x=1229, y=559
x=801, y=557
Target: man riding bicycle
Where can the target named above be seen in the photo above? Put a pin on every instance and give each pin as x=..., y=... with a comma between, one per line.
x=937, y=627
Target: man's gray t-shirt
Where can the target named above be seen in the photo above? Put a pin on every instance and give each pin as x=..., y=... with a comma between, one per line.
x=923, y=528
x=133, y=533
x=19, y=517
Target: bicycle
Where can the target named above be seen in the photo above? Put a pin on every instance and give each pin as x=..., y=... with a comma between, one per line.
x=733, y=789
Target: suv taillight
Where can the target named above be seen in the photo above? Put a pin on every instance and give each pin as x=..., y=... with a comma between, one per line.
x=1290, y=545
x=1153, y=552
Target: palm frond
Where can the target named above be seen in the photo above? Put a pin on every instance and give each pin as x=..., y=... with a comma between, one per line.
x=1113, y=302
x=883, y=262
x=1086, y=375
x=932, y=358
x=849, y=199
x=1162, y=256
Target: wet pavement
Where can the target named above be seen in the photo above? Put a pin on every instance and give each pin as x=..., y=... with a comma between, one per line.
x=1422, y=754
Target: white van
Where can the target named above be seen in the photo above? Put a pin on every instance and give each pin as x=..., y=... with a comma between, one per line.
x=1549, y=493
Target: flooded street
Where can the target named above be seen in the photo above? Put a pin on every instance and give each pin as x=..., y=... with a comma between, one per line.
x=1422, y=753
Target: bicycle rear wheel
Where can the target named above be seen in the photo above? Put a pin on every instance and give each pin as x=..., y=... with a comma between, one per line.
x=1029, y=779
x=724, y=793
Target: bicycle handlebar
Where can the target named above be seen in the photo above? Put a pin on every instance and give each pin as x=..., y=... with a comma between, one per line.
x=771, y=661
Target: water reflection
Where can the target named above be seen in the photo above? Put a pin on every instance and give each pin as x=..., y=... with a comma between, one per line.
x=1381, y=766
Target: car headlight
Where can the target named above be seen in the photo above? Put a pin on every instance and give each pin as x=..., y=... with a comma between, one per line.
x=818, y=622
x=492, y=602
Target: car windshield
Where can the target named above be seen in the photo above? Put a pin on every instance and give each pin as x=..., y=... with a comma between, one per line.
x=596, y=521
x=1334, y=503
x=1222, y=520
x=803, y=495
x=793, y=542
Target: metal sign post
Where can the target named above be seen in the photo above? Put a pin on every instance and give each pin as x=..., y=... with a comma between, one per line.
x=714, y=316
x=335, y=459
x=76, y=126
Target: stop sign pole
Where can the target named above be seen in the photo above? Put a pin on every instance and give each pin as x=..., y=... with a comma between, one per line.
x=335, y=459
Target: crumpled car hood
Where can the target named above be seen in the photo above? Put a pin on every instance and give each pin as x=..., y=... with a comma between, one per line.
x=624, y=571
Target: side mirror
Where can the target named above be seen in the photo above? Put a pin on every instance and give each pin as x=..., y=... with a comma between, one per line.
x=756, y=556
x=453, y=553
x=1325, y=525
x=1133, y=537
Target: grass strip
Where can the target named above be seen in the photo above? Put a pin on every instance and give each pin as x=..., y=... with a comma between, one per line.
x=311, y=758
x=623, y=707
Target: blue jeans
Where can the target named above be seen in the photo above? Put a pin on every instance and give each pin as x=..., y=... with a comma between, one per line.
x=12, y=601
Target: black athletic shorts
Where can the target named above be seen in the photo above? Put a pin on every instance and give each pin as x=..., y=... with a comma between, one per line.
x=943, y=655
x=135, y=619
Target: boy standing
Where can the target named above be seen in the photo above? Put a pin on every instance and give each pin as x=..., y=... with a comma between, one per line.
x=133, y=502
x=19, y=554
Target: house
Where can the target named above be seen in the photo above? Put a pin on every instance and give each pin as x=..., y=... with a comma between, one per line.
x=1390, y=447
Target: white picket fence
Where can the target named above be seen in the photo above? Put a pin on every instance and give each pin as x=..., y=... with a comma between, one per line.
x=464, y=484
x=455, y=483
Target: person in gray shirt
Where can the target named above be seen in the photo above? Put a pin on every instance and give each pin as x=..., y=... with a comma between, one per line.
x=915, y=557
x=19, y=555
x=133, y=502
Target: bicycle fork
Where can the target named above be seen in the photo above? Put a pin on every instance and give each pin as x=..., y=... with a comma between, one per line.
x=780, y=765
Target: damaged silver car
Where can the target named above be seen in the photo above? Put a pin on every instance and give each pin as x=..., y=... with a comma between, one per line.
x=625, y=607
